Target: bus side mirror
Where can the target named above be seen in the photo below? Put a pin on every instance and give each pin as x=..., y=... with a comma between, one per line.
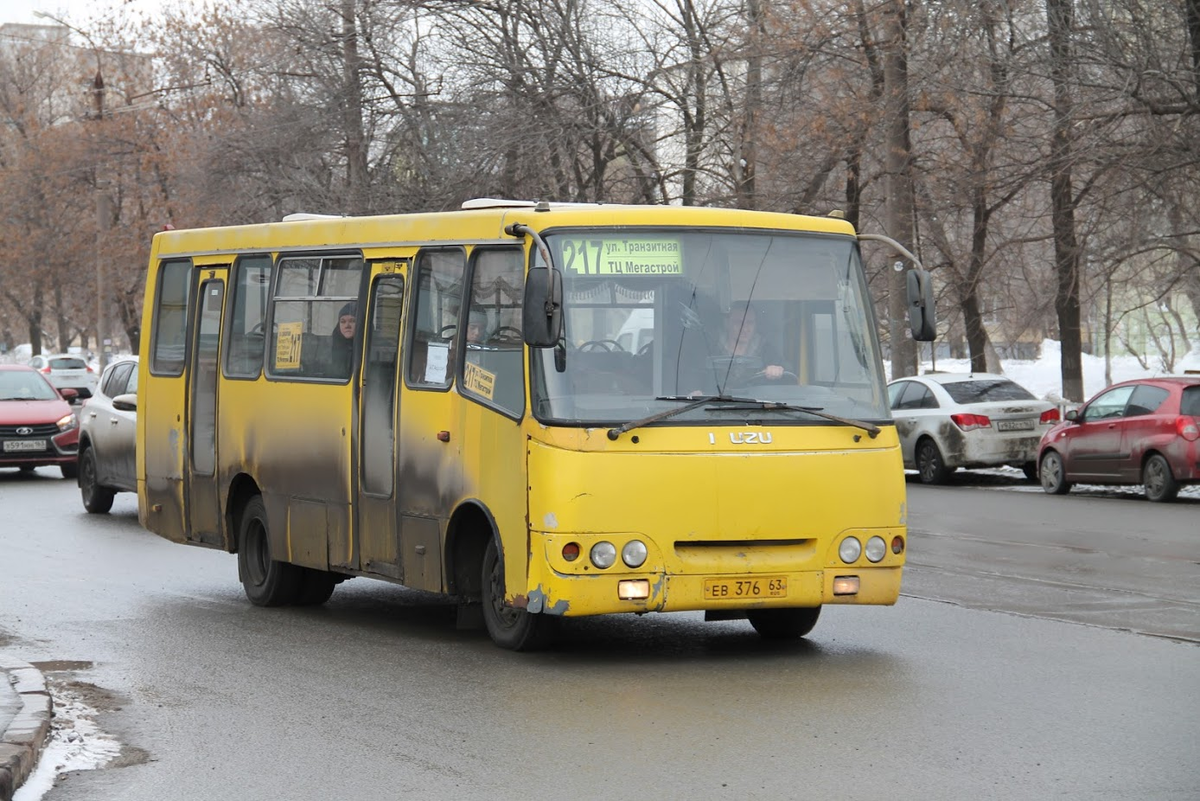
x=922, y=314
x=542, y=312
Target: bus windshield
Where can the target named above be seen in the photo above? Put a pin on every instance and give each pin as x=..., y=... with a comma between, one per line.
x=656, y=317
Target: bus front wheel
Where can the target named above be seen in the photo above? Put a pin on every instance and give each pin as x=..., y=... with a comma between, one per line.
x=783, y=624
x=509, y=627
x=267, y=582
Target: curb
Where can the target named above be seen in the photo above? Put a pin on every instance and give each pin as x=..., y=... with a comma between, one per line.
x=21, y=743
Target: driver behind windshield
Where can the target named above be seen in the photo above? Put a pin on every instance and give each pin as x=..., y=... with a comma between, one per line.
x=739, y=355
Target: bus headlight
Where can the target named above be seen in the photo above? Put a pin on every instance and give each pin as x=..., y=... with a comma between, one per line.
x=876, y=549
x=634, y=553
x=604, y=554
x=850, y=550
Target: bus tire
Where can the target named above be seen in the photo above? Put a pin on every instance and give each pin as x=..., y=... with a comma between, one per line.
x=509, y=627
x=315, y=587
x=783, y=624
x=97, y=499
x=267, y=582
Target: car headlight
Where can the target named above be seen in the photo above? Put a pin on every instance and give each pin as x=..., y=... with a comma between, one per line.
x=634, y=553
x=68, y=422
x=850, y=550
x=876, y=549
x=604, y=554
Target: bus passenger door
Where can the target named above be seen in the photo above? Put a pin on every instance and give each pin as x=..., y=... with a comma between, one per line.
x=202, y=501
x=375, y=530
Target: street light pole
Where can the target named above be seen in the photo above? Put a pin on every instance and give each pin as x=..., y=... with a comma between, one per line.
x=104, y=214
x=103, y=223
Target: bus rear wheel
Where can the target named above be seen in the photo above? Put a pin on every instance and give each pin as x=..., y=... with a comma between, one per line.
x=783, y=624
x=267, y=582
x=509, y=627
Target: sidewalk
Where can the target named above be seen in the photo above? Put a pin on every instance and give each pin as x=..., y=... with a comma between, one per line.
x=24, y=722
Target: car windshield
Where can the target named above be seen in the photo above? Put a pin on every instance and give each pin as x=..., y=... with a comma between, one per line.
x=67, y=364
x=986, y=391
x=654, y=317
x=20, y=385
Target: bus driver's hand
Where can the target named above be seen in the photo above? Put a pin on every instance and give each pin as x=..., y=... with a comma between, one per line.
x=773, y=371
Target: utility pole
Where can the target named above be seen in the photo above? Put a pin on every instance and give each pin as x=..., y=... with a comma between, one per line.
x=103, y=223
x=899, y=210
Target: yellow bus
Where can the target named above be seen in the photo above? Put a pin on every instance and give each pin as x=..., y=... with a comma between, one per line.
x=542, y=410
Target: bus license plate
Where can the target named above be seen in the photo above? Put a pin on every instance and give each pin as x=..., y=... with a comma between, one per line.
x=730, y=589
x=24, y=445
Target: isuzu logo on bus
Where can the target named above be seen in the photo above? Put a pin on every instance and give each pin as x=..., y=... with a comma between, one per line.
x=744, y=438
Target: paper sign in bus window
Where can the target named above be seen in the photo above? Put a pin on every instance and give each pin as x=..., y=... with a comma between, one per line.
x=437, y=362
x=479, y=381
x=287, y=346
x=622, y=256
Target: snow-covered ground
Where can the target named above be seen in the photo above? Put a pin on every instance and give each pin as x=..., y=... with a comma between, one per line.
x=75, y=743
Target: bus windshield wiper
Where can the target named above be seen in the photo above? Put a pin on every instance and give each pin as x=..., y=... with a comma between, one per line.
x=695, y=402
x=817, y=411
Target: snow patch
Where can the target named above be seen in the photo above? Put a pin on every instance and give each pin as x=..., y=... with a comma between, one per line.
x=76, y=743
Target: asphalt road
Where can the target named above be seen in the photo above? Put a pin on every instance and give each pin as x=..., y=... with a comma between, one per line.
x=377, y=696
x=1100, y=556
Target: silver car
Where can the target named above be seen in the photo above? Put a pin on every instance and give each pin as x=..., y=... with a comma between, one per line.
x=108, y=437
x=952, y=420
x=65, y=371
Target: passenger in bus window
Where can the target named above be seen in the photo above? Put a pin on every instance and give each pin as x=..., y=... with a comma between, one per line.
x=343, y=340
x=477, y=327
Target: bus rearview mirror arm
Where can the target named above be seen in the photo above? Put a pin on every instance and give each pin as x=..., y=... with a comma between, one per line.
x=922, y=310
x=541, y=313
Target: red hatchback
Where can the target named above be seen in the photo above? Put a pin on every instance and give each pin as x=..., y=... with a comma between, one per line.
x=1137, y=432
x=37, y=426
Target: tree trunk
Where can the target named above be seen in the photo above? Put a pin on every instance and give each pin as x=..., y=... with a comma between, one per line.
x=1059, y=17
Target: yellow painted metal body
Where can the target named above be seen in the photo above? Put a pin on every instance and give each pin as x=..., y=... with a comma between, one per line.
x=706, y=506
x=708, y=511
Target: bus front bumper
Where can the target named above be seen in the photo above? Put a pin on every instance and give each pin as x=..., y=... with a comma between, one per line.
x=574, y=595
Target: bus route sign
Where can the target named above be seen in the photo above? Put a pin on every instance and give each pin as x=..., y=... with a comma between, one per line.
x=612, y=255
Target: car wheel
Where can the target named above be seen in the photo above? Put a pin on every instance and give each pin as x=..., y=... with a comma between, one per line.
x=1030, y=470
x=96, y=499
x=509, y=627
x=783, y=624
x=1160, y=482
x=1053, y=474
x=70, y=470
x=931, y=467
x=267, y=582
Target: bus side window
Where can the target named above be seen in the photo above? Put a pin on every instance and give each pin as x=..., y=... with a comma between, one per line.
x=246, y=334
x=311, y=295
x=434, y=335
x=493, y=363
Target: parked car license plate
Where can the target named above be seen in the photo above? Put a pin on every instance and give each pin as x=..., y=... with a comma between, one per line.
x=724, y=589
x=24, y=445
x=1014, y=425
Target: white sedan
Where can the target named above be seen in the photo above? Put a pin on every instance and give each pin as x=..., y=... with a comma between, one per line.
x=950, y=420
x=66, y=371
